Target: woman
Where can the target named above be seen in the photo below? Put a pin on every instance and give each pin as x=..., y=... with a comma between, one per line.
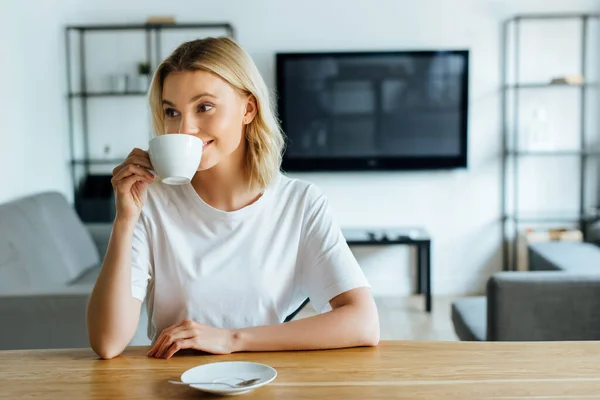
x=222, y=261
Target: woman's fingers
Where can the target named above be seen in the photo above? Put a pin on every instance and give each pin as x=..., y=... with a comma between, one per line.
x=139, y=152
x=161, y=338
x=157, y=345
x=132, y=169
x=165, y=343
x=124, y=186
x=140, y=161
x=137, y=157
x=135, y=160
x=129, y=181
x=175, y=335
x=179, y=345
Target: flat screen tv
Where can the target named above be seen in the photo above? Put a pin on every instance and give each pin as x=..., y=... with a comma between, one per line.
x=393, y=110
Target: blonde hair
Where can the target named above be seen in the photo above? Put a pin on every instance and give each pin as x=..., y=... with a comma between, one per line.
x=225, y=58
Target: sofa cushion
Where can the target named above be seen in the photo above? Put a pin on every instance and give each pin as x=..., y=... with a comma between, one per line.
x=469, y=316
x=564, y=256
x=43, y=242
x=88, y=277
x=100, y=232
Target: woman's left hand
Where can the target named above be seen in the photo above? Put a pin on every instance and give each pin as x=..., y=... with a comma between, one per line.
x=192, y=335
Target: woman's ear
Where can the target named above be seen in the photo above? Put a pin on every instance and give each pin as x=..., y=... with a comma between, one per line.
x=251, y=109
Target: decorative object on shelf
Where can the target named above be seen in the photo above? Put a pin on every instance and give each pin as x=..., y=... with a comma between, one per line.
x=576, y=79
x=119, y=83
x=160, y=20
x=539, y=133
x=143, y=76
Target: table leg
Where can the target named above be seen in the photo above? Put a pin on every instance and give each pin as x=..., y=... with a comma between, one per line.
x=419, y=289
x=427, y=269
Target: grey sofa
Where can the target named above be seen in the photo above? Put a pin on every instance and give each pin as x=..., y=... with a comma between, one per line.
x=49, y=261
x=559, y=299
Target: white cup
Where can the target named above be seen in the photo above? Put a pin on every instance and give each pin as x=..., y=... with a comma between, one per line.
x=175, y=157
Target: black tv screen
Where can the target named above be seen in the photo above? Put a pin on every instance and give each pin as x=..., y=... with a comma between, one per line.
x=400, y=110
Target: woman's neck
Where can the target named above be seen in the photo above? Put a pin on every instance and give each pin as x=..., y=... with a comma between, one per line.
x=225, y=186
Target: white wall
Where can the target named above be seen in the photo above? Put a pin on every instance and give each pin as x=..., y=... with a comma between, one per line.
x=461, y=208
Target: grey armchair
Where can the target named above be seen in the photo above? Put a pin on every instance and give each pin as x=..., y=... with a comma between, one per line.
x=532, y=306
x=49, y=261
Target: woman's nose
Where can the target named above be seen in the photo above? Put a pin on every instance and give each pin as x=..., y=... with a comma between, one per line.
x=188, y=125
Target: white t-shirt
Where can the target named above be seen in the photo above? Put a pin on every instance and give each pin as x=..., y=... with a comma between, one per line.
x=249, y=267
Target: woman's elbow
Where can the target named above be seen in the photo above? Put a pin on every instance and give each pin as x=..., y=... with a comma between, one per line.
x=370, y=332
x=371, y=339
x=371, y=335
x=104, y=347
x=106, y=352
x=101, y=343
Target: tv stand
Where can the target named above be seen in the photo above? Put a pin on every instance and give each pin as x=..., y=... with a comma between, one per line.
x=417, y=237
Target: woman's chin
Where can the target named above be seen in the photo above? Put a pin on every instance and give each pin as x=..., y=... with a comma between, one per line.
x=205, y=166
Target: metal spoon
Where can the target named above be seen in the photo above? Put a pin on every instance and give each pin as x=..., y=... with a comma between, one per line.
x=241, y=384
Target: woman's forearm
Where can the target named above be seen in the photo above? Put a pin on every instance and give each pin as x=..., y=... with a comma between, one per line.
x=346, y=326
x=113, y=314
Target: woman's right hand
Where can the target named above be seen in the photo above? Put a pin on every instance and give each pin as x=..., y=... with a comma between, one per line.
x=130, y=182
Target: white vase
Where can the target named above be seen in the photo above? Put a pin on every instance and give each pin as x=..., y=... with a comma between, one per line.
x=142, y=82
x=118, y=83
x=539, y=134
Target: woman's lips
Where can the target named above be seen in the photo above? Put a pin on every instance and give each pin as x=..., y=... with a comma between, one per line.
x=206, y=145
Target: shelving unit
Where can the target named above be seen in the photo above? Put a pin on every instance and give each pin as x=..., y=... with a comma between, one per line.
x=75, y=41
x=548, y=85
x=513, y=155
x=107, y=94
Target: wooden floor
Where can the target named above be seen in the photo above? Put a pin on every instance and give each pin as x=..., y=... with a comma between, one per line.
x=404, y=318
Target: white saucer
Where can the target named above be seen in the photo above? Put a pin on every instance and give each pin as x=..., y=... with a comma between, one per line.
x=231, y=372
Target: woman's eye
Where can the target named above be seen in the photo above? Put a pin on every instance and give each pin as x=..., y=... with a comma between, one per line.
x=169, y=112
x=205, y=107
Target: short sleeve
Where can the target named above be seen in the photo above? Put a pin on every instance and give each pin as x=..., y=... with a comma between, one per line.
x=328, y=266
x=141, y=267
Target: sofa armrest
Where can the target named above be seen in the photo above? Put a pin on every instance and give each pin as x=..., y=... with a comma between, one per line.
x=101, y=235
x=44, y=319
x=543, y=305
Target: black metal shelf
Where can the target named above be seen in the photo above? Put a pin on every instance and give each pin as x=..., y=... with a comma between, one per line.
x=559, y=153
x=512, y=157
x=548, y=85
x=533, y=16
x=128, y=27
x=98, y=161
x=107, y=94
x=546, y=218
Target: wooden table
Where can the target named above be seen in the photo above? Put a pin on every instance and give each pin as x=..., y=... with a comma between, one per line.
x=402, y=370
